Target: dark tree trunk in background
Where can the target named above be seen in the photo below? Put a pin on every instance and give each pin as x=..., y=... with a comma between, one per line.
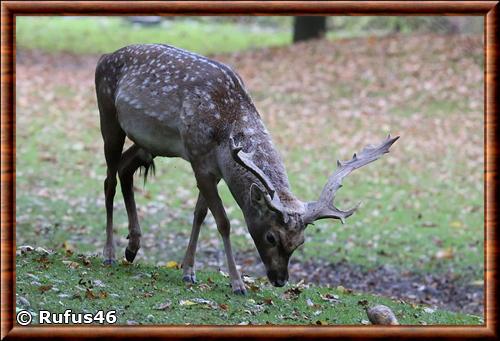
x=306, y=27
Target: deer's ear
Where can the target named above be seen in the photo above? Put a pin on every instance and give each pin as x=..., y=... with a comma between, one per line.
x=257, y=197
x=263, y=203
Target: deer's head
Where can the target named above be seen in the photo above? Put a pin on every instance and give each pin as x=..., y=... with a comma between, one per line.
x=276, y=228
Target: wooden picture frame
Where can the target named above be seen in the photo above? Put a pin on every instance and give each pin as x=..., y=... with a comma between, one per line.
x=11, y=9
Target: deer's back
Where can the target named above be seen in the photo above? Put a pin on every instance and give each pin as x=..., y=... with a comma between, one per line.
x=170, y=101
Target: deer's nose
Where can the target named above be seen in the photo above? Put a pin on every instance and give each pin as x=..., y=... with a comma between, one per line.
x=279, y=283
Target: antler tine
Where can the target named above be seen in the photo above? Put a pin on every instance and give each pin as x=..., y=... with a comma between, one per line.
x=324, y=208
x=245, y=160
x=334, y=213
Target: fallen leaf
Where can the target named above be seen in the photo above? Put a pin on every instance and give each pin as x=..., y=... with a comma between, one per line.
x=363, y=303
x=165, y=305
x=445, y=254
x=26, y=248
x=44, y=288
x=254, y=287
x=268, y=301
x=71, y=264
x=85, y=260
x=89, y=294
x=186, y=303
x=172, y=265
x=42, y=251
x=204, y=287
x=292, y=293
x=343, y=290
x=248, y=279
x=479, y=282
x=330, y=298
x=68, y=249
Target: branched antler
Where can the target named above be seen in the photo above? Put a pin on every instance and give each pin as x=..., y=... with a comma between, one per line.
x=245, y=160
x=324, y=208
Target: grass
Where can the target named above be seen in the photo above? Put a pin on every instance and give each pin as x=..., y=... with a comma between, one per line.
x=59, y=281
x=106, y=34
x=422, y=204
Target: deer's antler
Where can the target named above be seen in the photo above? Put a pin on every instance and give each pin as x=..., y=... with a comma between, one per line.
x=245, y=160
x=324, y=208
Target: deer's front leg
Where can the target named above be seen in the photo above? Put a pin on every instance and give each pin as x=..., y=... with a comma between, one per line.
x=200, y=212
x=207, y=183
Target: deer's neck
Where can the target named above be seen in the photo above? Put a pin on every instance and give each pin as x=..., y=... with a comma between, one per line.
x=253, y=136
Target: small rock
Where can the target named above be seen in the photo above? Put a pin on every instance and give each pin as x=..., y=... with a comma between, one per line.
x=380, y=314
x=132, y=322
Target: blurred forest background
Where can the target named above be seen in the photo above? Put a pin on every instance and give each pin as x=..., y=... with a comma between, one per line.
x=418, y=234
x=220, y=34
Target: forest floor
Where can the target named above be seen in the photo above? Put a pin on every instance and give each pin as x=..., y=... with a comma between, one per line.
x=419, y=234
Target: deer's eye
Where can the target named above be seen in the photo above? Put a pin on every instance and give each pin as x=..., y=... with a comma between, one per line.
x=271, y=239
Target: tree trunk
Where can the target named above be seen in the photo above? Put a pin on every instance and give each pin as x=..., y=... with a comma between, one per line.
x=308, y=27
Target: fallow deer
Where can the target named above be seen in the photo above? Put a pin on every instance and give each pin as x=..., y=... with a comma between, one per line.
x=174, y=103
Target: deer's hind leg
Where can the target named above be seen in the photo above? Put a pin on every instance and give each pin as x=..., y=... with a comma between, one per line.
x=131, y=160
x=114, y=138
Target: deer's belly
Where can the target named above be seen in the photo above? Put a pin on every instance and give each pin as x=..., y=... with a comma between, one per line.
x=158, y=137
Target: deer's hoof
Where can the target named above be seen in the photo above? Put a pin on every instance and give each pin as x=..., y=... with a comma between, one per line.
x=109, y=262
x=241, y=292
x=189, y=278
x=129, y=255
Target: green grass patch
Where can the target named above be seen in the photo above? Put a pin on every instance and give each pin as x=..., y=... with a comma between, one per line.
x=97, y=35
x=145, y=294
x=422, y=205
